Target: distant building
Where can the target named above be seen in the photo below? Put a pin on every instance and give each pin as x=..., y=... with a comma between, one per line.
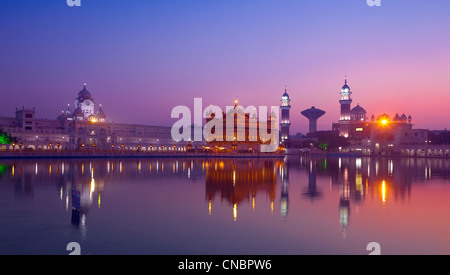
x=377, y=135
x=246, y=134
x=84, y=128
x=313, y=114
x=285, y=122
x=350, y=119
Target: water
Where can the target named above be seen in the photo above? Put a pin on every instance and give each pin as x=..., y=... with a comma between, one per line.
x=225, y=206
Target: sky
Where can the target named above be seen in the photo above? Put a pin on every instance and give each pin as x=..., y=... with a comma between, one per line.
x=141, y=58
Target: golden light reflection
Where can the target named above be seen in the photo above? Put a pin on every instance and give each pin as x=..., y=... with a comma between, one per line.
x=235, y=211
x=253, y=204
x=209, y=207
x=99, y=200
x=358, y=182
x=383, y=192
x=92, y=188
x=271, y=207
x=92, y=185
x=234, y=177
x=12, y=171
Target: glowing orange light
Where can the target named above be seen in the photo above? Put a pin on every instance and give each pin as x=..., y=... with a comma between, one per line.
x=384, y=122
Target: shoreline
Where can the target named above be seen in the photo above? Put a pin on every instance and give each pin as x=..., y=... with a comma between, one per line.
x=356, y=155
x=109, y=155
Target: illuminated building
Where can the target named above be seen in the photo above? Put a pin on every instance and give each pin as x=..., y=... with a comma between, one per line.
x=345, y=102
x=246, y=134
x=84, y=129
x=351, y=121
x=285, y=123
x=380, y=135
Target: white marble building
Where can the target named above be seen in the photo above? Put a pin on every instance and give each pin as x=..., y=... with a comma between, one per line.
x=85, y=128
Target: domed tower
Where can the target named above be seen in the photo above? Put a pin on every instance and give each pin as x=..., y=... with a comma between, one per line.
x=85, y=102
x=285, y=123
x=101, y=116
x=358, y=113
x=78, y=114
x=345, y=102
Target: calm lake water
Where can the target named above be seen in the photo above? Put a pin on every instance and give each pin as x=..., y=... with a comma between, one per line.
x=225, y=206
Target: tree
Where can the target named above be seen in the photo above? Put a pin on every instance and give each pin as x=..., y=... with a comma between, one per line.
x=6, y=138
x=330, y=140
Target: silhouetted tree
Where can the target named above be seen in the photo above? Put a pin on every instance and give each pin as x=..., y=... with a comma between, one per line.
x=6, y=138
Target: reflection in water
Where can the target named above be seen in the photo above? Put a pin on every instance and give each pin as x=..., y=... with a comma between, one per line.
x=81, y=184
x=284, y=196
x=312, y=191
x=238, y=181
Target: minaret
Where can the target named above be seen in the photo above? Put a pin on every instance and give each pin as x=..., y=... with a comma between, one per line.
x=285, y=123
x=345, y=102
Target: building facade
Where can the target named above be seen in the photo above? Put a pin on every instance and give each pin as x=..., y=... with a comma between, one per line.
x=84, y=128
x=377, y=135
x=245, y=133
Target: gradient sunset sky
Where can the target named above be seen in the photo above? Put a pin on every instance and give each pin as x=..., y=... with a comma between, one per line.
x=141, y=58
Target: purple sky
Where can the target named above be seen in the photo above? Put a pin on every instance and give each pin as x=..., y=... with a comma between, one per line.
x=142, y=58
